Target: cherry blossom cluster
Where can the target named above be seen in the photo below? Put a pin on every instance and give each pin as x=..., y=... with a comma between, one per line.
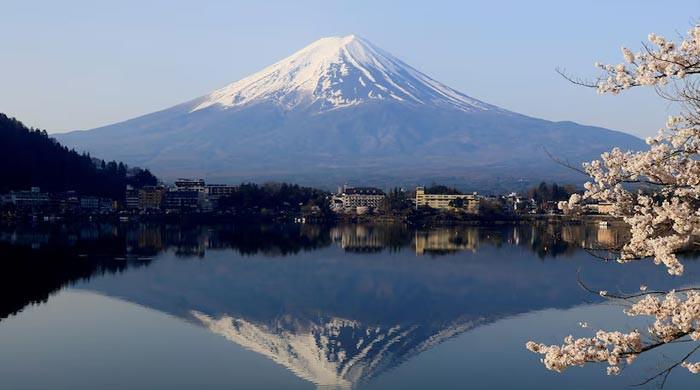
x=664, y=217
x=660, y=61
x=614, y=348
x=657, y=193
x=692, y=367
x=675, y=316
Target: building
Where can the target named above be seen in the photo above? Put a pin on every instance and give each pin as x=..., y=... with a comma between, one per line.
x=32, y=199
x=191, y=185
x=179, y=200
x=151, y=198
x=107, y=205
x=91, y=203
x=467, y=202
x=520, y=205
x=131, y=198
x=357, y=199
x=600, y=208
x=67, y=202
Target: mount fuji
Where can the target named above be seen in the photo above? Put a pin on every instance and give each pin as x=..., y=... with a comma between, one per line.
x=342, y=109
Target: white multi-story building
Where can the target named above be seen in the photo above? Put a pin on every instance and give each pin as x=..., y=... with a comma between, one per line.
x=469, y=202
x=29, y=199
x=191, y=185
x=357, y=199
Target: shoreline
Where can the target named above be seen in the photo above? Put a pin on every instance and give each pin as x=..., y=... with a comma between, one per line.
x=429, y=221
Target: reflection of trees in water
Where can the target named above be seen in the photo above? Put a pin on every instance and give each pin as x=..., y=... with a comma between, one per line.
x=545, y=239
x=43, y=259
x=553, y=239
x=32, y=272
x=270, y=240
x=39, y=260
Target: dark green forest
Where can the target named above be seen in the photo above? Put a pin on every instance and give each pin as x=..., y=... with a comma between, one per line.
x=545, y=192
x=275, y=197
x=33, y=159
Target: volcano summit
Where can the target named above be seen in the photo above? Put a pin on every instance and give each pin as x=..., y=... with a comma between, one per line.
x=342, y=109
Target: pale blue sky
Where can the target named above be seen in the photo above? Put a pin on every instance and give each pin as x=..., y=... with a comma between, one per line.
x=80, y=64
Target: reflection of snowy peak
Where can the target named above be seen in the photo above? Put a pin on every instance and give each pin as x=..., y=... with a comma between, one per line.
x=336, y=352
x=338, y=72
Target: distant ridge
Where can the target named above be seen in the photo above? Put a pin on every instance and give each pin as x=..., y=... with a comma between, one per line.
x=343, y=110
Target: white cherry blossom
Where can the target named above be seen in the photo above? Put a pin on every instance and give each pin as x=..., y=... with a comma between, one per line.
x=657, y=193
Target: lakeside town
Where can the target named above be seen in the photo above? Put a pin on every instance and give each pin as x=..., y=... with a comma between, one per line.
x=195, y=197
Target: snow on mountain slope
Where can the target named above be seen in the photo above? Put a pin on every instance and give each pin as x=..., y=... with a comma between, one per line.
x=338, y=72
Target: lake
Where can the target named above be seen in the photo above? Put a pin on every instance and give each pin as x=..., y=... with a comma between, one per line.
x=302, y=306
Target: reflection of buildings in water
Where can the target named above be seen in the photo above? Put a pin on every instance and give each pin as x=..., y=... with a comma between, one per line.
x=150, y=237
x=333, y=353
x=196, y=240
x=446, y=240
x=155, y=238
x=186, y=242
x=574, y=234
x=514, y=236
x=358, y=237
x=34, y=240
x=610, y=238
x=594, y=236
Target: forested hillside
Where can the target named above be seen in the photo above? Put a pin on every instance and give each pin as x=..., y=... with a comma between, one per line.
x=30, y=158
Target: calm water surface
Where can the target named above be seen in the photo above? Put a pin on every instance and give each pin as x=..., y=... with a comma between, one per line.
x=304, y=307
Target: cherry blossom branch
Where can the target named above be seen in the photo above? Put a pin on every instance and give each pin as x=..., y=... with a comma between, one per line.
x=656, y=192
x=577, y=80
x=667, y=371
x=644, y=292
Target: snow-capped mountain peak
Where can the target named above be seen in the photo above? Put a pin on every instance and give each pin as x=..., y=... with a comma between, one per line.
x=336, y=72
x=340, y=110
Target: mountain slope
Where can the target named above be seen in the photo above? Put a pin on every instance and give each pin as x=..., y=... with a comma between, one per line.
x=342, y=109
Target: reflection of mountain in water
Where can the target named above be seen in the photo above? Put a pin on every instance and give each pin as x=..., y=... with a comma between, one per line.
x=333, y=352
x=336, y=305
